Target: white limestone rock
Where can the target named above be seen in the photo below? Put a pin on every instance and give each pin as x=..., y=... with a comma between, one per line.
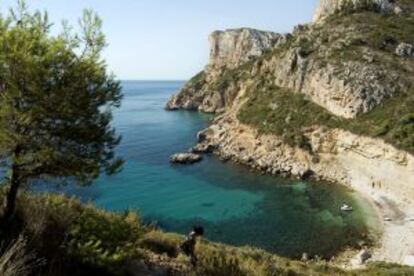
x=234, y=47
x=329, y=7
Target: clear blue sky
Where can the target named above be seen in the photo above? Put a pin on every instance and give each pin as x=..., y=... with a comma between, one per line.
x=168, y=39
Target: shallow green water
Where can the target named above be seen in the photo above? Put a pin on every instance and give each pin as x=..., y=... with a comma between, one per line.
x=234, y=205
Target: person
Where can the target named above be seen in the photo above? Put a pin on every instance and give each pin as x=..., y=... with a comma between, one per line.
x=188, y=245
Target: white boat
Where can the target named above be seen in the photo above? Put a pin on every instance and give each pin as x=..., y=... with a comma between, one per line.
x=346, y=208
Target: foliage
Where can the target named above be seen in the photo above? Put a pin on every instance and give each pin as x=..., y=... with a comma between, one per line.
x=57, y=101
x=104, y=239
x=161, y=243
x=75, y=239
x=198, y=81
x=275, y=110
x=281, y=112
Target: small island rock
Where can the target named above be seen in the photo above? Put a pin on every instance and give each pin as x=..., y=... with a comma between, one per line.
x=185, y=158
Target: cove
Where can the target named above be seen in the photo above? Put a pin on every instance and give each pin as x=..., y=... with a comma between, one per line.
x=234, y=205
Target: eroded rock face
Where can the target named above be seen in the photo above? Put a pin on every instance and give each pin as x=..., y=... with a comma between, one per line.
x=329, y=7
x=229, y=49
x=234, y=47
x=347, y=89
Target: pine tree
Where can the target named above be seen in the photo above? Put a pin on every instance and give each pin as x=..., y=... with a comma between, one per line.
x=56, y=102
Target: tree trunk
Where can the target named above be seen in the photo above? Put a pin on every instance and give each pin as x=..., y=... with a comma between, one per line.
x=10, y=201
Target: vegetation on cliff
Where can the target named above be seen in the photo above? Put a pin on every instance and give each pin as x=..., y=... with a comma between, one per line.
x=353, y=51
x=373, y=37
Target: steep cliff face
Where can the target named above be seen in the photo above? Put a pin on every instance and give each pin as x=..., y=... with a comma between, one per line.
x=347, y=66
x=210, y=91
x=330, y=7
x=232, y=48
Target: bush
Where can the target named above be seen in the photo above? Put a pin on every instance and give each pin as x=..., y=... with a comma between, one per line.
x=218, y=263
x=161, y=243
x=105, y=240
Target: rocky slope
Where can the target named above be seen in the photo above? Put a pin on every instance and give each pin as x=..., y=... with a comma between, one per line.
x=229, y=50
x=330, y=7
x=333, y=100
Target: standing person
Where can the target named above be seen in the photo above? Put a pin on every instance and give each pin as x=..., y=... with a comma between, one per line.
x=188, y=245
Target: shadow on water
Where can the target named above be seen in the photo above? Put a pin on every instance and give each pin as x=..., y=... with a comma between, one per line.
x=235, y=206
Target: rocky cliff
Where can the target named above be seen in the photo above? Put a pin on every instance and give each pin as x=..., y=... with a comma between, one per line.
x=232, y=48
x=327, y=8
x=333, y=100
x=347, y=66
x=228, y=50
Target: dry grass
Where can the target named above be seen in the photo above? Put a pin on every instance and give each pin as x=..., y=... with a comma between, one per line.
x=17, y=260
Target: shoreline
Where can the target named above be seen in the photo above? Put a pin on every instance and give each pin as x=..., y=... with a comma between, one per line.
x=346, y=165
x=396, y=243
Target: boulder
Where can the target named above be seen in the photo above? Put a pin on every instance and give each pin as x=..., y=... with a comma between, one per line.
x=362, y=257
x=404, y=50
x=185, y=158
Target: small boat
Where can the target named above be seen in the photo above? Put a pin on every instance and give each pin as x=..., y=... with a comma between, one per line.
x=346, y=208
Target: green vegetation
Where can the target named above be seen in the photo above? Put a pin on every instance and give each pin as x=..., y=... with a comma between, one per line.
x=362, y=36
x=56, y=104
x=54, y=235
x=282, y=112
x=198, y=81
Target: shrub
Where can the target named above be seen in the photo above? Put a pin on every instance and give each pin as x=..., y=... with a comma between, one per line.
x=105, y=240
x=161, y=243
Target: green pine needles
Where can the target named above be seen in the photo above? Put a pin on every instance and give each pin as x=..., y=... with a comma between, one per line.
x=56, y=102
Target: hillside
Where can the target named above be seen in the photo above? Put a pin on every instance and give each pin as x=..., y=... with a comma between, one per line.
x=333, y=100
x=54, y=235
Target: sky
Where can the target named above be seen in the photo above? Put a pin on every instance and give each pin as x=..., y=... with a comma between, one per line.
x=168, y=39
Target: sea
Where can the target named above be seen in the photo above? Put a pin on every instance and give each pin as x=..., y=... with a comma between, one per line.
x=235, y=205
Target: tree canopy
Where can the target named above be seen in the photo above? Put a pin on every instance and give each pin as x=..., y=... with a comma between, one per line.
x=56, y=100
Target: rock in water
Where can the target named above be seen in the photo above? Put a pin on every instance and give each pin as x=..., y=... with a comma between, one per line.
x=185, y=158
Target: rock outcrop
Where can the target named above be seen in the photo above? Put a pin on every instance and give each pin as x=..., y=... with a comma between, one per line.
x=337, y=155
x=313, y=60
x=185, y=158
x=327, y=8
x=228, y=50
x=232, y=48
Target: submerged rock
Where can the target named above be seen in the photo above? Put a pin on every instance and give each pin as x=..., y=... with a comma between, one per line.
x=185, y=158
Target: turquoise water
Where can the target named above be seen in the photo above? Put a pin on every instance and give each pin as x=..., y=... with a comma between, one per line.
x=234, y=205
